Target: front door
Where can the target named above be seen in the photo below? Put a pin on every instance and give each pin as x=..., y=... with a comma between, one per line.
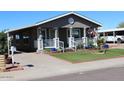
x=63, y=36
x=44, y=36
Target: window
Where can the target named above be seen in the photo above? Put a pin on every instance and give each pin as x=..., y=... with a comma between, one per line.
x=17, y=37
x=109, y=33
x=76, y=33
x=101, y=34
x=26, y=39
x=119, y=33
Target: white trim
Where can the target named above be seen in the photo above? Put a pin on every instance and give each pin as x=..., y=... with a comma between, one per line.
x=56, y=33
x=87, y=19
x=50, y=47
x=39, y=40
x=85, y=37
x=21, y=28
x=66, y=15
x=70, y=31
x=40, y=23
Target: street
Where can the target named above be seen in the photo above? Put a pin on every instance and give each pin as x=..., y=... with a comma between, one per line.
x=46, y=67
x=108, y=74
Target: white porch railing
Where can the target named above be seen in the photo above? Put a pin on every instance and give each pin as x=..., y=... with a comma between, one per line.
x=74, y=42
x=56, y=43
x=61, y=45
x=78, y=42
x=88, y=41
x=71, y=42
x=85, y=41
x=49, y=43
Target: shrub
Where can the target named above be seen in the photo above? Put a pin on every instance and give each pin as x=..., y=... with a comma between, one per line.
x=3, y=43
x=91, y=43
x=100, y=42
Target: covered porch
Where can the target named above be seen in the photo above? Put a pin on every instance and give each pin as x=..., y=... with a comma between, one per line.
x=62, y=38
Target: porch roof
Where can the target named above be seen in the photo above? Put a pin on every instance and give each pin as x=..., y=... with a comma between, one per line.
x=54, y=18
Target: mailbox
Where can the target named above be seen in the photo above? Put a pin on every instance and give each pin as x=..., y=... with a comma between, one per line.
x=105, y=46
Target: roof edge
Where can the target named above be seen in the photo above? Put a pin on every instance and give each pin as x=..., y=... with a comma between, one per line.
x=54, y=18
x=68, y=13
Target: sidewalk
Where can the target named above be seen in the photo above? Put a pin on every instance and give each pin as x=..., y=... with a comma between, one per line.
x=47, y=66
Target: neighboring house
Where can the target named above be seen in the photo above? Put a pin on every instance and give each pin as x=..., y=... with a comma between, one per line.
x=113, y=35
x=63, y=31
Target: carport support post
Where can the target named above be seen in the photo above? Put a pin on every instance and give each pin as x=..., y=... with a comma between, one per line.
x=104, y=35
x=85, y=38
x=12, y=54
x=8, y=43
x=56, y=39
x=114, y=37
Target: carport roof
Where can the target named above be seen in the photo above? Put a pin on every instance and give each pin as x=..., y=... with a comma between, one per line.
x=54, y=18
x=111, y=30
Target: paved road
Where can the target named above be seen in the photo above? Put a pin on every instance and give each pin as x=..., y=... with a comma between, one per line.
x=47, y=66
x=109, y=74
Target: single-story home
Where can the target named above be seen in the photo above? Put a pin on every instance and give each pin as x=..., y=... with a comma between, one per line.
x=63, y=31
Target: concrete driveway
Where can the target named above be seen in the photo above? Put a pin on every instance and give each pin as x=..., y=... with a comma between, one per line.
x=48, y=66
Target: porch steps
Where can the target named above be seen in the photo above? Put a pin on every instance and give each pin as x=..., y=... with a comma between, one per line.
x=69, y=49
x=2, y=63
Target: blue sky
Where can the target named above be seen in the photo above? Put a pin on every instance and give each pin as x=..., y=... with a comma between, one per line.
x=12, y=19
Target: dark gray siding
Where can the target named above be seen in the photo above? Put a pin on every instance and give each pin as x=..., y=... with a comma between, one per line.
x=63, y=22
